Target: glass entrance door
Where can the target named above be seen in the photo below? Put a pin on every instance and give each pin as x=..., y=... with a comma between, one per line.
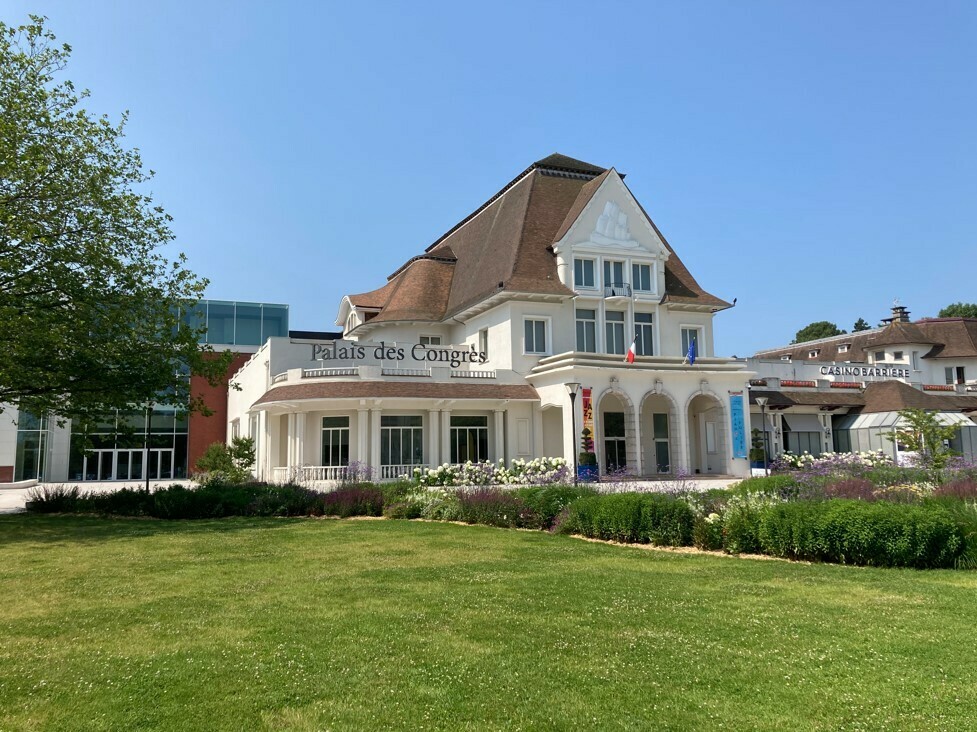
x=105, y=465
x=615, y=455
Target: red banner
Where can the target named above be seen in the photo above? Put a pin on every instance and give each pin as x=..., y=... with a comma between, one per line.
x=588, y=411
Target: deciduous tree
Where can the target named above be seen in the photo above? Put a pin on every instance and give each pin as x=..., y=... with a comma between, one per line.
x=959, y=310
x=814, y=331
x=89, y=305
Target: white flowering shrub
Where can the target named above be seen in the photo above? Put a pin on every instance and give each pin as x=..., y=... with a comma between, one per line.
x=540, y=471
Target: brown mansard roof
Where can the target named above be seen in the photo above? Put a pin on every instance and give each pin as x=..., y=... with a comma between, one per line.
x=506, y=245
x=397, y=389
x=878, y=396
x=948, y=338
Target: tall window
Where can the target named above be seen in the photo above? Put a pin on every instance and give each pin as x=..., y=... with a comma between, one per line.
x=641, y=277
x=587, y=331
x=689, y=335
x=644, y=331
x=535, y=336
x=615, y=454
x=469, y=439
x=401, y=440
x=583, y=272
x=662, y=459
x=335, y=441
x=31, y=445
x=613, y=273
x=429, y=340
x=614, y=331
x=483, y=341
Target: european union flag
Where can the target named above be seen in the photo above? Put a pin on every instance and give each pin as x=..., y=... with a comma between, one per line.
x=691, y=354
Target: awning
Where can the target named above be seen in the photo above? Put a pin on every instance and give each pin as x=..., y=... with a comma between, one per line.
x=803, y=422
x=892, y=420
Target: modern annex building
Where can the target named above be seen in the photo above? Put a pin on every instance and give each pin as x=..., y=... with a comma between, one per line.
x=502, y=340
x=844, y=393
x=160, y=441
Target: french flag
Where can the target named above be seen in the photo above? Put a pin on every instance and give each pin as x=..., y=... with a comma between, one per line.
x=632, y=351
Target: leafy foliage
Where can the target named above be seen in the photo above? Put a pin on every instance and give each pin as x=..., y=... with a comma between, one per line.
x=860, y=325
x=89, y=306
x=959, y=310
x=925, y=435
x=229, y=463
x=816, y=330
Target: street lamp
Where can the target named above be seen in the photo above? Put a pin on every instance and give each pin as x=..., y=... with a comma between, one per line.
x=762, y=401
x=572, y=388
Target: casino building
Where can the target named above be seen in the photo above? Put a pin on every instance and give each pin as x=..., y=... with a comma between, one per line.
x=844, y=393
x=503, y=339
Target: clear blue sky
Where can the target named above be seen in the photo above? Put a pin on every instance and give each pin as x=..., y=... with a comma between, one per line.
x=813, y=159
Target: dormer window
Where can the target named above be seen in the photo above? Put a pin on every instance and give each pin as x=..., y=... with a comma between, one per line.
x=785, y=358
x=814, y=353
x=880, y=355
x=897, y=356
x=843, y=348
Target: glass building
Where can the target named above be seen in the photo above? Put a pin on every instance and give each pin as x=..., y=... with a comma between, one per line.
x=140, y=442
x=238, y=323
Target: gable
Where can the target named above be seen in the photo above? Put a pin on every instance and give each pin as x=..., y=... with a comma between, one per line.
x=611, y=221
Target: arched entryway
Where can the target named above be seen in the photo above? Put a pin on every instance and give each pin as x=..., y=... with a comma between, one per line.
x=659, y=435
x=615, y=439
x=707, y=435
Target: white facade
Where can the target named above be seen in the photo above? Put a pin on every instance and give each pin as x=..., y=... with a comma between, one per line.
x=531, y=344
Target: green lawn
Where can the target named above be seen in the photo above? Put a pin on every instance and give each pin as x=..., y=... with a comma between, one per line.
x=323, y=624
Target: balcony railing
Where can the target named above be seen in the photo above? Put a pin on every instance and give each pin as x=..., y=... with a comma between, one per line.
x=335, y=473
x=320, y=373
x=462, y=374
x=405, y=372
x=617, y=289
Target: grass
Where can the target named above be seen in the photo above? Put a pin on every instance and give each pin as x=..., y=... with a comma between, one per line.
x=323, y=624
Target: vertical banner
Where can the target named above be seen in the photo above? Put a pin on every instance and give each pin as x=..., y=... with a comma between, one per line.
x=738, y=426
x=588, y=413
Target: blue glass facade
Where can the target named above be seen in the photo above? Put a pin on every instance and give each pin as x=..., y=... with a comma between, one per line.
x=230, y=323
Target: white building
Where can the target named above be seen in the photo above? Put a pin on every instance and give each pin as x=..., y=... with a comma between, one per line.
x=467, y=351
x=844, y=393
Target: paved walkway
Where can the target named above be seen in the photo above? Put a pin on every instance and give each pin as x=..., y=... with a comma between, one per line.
x=12, y=499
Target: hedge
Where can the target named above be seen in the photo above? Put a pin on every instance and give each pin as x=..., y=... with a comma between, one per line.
x=881, y=534
x=632, y=518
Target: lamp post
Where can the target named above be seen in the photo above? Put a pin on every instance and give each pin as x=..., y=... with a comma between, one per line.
x=762, y=401
x=572, y=388
x=145, y=462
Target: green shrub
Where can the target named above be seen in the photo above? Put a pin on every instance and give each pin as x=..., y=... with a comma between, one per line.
x=496, y=507
x=666, y=521
x=361, y=499
x=52, y=499
x=782, y=485
x=632, y=518
x=548, y=501
x=741, y=522
x=707, y=532
x=404, y=509
x=880, y=534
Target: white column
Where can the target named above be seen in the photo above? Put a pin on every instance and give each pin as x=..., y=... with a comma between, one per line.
x=636, y=442
x=300, y=420
x=290, y=459
x=499, y=422
x=572, y=425
x=445, y=435
x=375, y=442
x=684, y=446
x=432, y=457
x=362, y=435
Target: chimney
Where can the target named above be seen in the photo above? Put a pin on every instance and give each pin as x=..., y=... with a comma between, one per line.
x=899, y=314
